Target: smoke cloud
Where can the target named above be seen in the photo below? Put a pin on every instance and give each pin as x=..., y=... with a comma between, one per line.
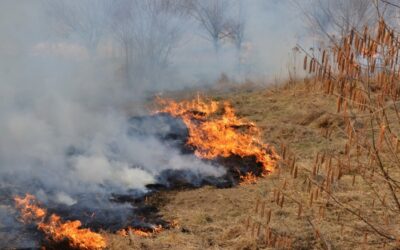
x=65, y=110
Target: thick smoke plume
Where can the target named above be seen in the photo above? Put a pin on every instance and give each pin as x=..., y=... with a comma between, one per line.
x=66, y=98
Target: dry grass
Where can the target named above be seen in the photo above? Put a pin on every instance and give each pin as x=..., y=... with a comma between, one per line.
x=302, y=216
x=337, y=185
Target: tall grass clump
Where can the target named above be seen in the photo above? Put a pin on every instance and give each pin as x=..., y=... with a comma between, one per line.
x=362, y=71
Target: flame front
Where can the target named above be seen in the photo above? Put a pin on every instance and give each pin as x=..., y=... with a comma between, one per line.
x=248, y=178
x=212, y=136
x=55, y=229
x=140, y=232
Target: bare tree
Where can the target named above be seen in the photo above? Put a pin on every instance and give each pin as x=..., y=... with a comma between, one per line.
x=326, y=18
x=86, y=20
x=390, y=11
x=148, y=31
x=213, y=17
x=122, y=25
x=367, y=93
x=236, y=30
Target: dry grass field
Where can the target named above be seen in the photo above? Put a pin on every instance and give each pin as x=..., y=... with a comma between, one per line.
x=286, y=210
x=310, y=163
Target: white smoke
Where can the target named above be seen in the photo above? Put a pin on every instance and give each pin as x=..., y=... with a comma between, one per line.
x=64, y=118
x=64, y=112
x=74, y=144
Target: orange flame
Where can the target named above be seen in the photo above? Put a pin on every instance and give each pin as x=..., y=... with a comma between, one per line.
x=212, y=136
x=248, y=178
x=55, y=229
x=139, y=232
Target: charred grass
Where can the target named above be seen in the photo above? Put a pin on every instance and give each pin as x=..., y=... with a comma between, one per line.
x=284, y=210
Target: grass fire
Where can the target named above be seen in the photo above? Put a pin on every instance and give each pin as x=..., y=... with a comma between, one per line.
x=214, y=135
x=55, y=229
x=199, y=124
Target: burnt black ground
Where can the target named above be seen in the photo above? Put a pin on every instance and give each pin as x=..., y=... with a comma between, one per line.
x=132, y=209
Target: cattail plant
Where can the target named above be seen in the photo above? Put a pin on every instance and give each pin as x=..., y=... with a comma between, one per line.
x=362, y=71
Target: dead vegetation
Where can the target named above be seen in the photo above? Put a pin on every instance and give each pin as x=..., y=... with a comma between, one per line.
x=227, y=218
x=337, y=185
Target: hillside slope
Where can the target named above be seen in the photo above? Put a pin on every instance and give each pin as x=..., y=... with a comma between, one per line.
x=283, y=210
